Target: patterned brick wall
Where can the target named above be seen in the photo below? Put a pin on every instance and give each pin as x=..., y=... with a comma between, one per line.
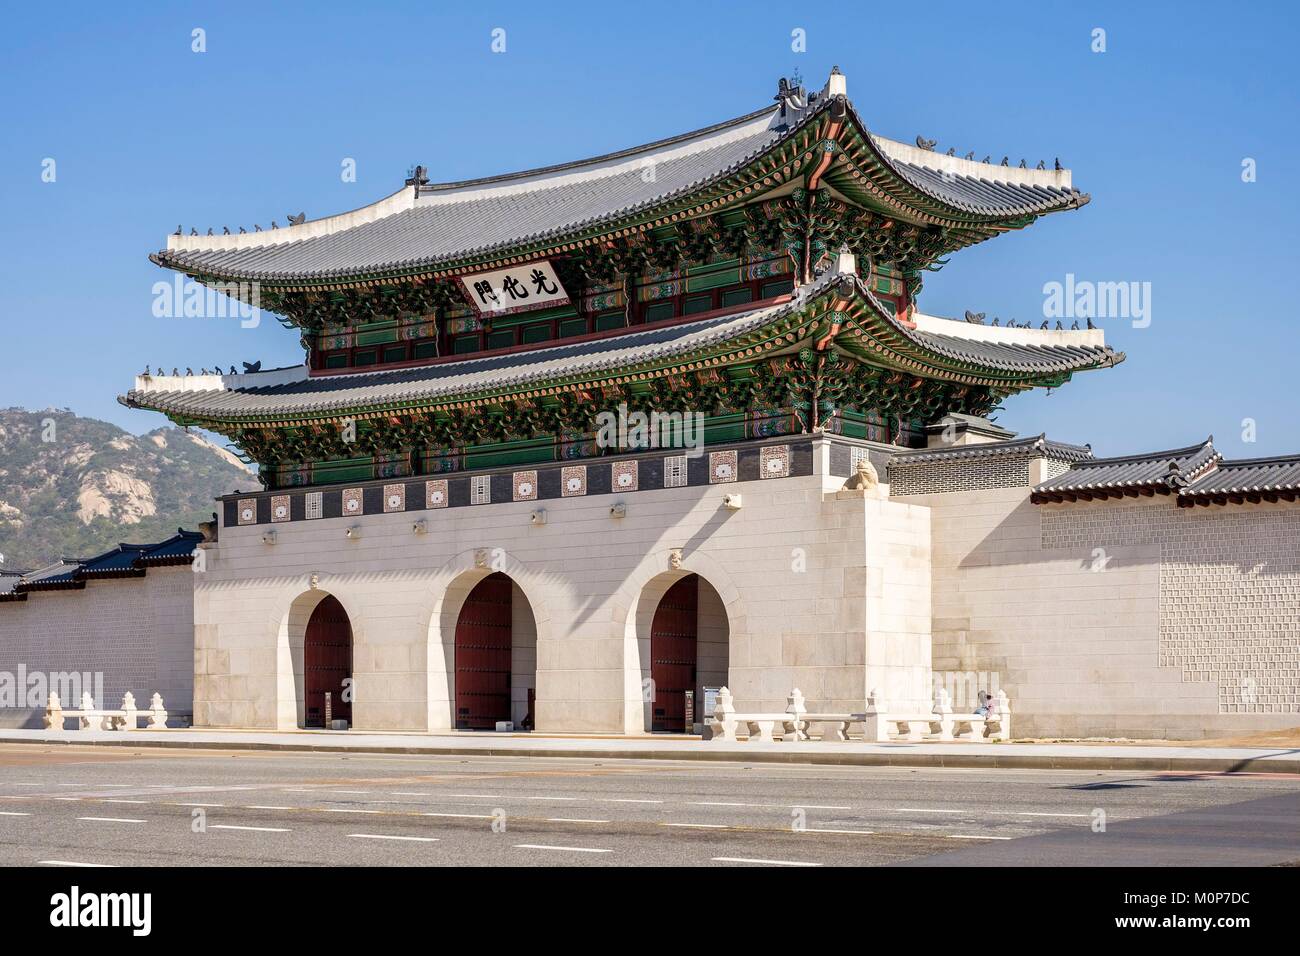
x=960, y=474
x=137, y=632
x=1229, y=591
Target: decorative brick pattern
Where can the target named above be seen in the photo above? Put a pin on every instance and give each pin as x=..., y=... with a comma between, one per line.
x=435, y=493
x=573, y=481
x=246, y=511
x=1229, y=592
x=279, y=507
x=774, y=461
x=623, y=476
x=394, y=498
x=353, y=502
x=972, y=474
x=525, y=486
x=722, y=467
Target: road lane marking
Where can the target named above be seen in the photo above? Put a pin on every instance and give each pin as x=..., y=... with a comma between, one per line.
x=263, y=806
x=112, y=819
x=297, y=790
x=928, y=810
x=550, y=798
x=200, y=804
x=626, y=800
x=965, y=836
x=106, y=800
x=813, y=806
x=476, y=796
x=386, y=836
x=569, y=849
x=741, y=859
x=813, y=830
x=231, y=826
x=465, y=816
x=72, y=863
x=412, y=793
x=346, y=810
x=13, y=813
x=349, y=791
x=1026, y=813
x=573, y=820
x=721, y=803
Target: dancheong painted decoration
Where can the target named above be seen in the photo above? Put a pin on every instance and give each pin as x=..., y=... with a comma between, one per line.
x=763, y=271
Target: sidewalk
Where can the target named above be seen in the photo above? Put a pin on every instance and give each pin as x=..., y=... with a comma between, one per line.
x=847, y=753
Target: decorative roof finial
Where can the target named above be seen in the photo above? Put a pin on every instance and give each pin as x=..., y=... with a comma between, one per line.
x=298, y=220
x=924, y=143
x=417, y=176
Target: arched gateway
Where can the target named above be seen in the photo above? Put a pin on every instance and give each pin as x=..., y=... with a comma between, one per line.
x=674, y=638
x=327, y=663
x=484, y=656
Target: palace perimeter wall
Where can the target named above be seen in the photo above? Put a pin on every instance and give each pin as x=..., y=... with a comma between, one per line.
x=1126, y=618
x=138, y=633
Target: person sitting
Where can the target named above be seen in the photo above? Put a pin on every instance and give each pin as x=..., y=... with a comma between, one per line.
x=985, y=702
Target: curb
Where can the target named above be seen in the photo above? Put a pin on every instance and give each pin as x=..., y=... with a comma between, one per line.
x=902, y=759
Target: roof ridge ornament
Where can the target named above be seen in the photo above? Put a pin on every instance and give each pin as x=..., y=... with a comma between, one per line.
x=417, y=176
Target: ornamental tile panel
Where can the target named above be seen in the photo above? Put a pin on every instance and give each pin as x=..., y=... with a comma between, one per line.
x=353, y=502
x=279, y=508
x=774, y=461
x=573, y=481
x=480, y=490
x=676, y=472
x=314, y=505
x=246, y=511
x=623, y=476
x=722, y=467
x=525, y=486
x=435, y=493
x=394, y=498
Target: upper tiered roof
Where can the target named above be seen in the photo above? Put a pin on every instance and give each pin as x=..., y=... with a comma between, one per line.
x=427, y=227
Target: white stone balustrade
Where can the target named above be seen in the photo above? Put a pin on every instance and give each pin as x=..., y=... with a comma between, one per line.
x=879, y=724
x=88, y=715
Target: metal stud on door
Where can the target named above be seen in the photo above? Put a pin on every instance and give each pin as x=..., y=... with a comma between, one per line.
x=673, y=648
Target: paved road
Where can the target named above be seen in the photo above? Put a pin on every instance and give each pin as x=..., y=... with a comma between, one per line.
x=120, y=806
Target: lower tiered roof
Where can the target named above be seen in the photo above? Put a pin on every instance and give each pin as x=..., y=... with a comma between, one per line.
x=1007, y=360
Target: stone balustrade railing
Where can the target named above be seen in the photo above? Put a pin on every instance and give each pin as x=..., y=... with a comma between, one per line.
x=879, y=723
x=91, y=717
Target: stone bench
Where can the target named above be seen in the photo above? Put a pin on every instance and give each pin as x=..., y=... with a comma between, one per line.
x=940, y=724
x=760, y=726
x=91, y=717
x=879, y=724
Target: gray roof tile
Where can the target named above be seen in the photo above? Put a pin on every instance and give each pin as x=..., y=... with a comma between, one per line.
x=457, y=220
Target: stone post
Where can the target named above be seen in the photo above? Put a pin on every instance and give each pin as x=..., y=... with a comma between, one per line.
x=129, y=712
x=54, y=714
x=796, y=708
x=724, y=717
x=875, y=729
x=157, y=714
x=943, y=713
x=87, y=708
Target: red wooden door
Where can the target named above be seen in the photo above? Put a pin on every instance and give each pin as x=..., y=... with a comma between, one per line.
x=483, y=640
x=673, y=639
x=327, y=662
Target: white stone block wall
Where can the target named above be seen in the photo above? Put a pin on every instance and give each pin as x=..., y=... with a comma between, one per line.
x=1131, y=618
x=137, y=633
x=821, y=591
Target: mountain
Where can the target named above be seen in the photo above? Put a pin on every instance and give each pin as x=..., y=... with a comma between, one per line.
x=74, y=487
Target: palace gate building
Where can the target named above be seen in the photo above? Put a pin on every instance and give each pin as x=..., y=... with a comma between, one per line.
x=570, y=442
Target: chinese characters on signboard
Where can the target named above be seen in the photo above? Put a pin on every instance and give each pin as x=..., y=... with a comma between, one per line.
x=519, y=288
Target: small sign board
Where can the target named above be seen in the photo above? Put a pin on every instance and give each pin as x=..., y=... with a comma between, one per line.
x=533, y=285
x=710, y=700
x=690, y=711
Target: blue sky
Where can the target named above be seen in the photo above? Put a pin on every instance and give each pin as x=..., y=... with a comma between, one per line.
x=147, y=134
